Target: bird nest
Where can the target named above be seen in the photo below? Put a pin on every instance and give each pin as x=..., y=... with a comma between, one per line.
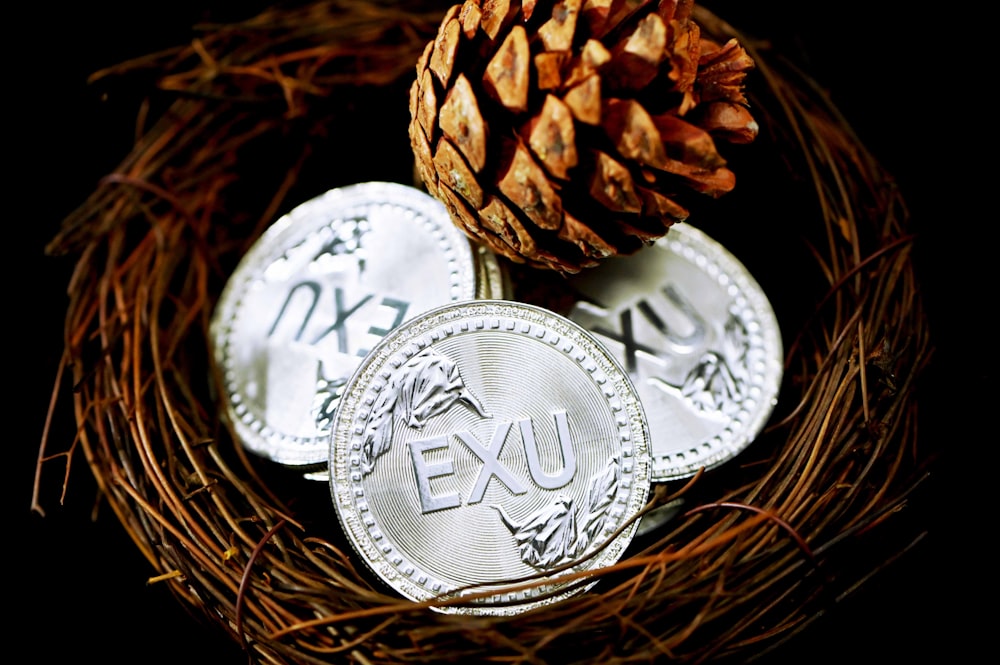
x=250, y=118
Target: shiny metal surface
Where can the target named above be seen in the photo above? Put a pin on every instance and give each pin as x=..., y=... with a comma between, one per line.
x=483, y=442
x=494, y=281
x=320, y=288
x=700, y=340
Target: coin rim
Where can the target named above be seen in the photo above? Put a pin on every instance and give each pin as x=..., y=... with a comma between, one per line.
x=700, y=243
x=257, y=436
x=372, y=367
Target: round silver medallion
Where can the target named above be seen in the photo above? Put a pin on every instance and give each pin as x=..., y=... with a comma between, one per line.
x=319, y=289
x=699, y=339
x=486, y=442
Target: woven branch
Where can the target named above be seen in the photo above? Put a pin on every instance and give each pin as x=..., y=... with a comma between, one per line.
x=242, y=119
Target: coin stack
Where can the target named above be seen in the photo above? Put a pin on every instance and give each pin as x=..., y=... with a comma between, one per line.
x=316, y=291
x=484, y=454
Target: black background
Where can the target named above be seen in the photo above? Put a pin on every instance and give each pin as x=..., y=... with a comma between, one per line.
x=76, y=587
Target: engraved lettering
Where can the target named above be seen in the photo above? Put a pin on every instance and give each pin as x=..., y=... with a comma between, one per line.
x=631, y=347
x=341, y=316
x=561, y=531
x=686, y=308
x=314, y=288
x=429, y=384
x=717, y=384
x=400, y=306
x=565, y=475
x=491, y=465
x=424, y=471
x=626, y=339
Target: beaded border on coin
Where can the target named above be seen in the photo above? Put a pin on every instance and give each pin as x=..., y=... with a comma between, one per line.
x=267, y=375
x=700, y=340
x=566, y=525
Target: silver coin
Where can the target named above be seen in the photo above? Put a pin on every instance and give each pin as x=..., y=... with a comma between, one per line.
x=319, y=289
x=494, y=280
x=699, y=339
x=493, y=283
x=485, y=442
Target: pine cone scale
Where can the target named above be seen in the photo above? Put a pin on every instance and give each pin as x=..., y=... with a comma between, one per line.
x=442, y=60
x=462, y=123
x=455, y=174
x=506, y=76
x=552, y=137
x=526, y=184
x=562, y=133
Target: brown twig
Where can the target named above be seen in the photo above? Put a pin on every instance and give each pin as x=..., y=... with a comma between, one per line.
x=241, y=121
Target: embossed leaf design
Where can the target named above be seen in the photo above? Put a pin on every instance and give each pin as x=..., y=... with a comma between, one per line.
x=550, y=536
x=710, y=384
x=736, y=347
x=600, y=495
x=328, y=393
x=348, y=242
x=547, y=538
x=718, y=383
x=378, y=430
x=429, y=383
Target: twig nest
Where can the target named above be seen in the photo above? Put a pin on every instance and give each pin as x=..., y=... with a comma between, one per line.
x=562, y=133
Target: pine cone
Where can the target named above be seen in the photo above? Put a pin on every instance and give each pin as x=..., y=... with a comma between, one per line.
x=562, y=133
